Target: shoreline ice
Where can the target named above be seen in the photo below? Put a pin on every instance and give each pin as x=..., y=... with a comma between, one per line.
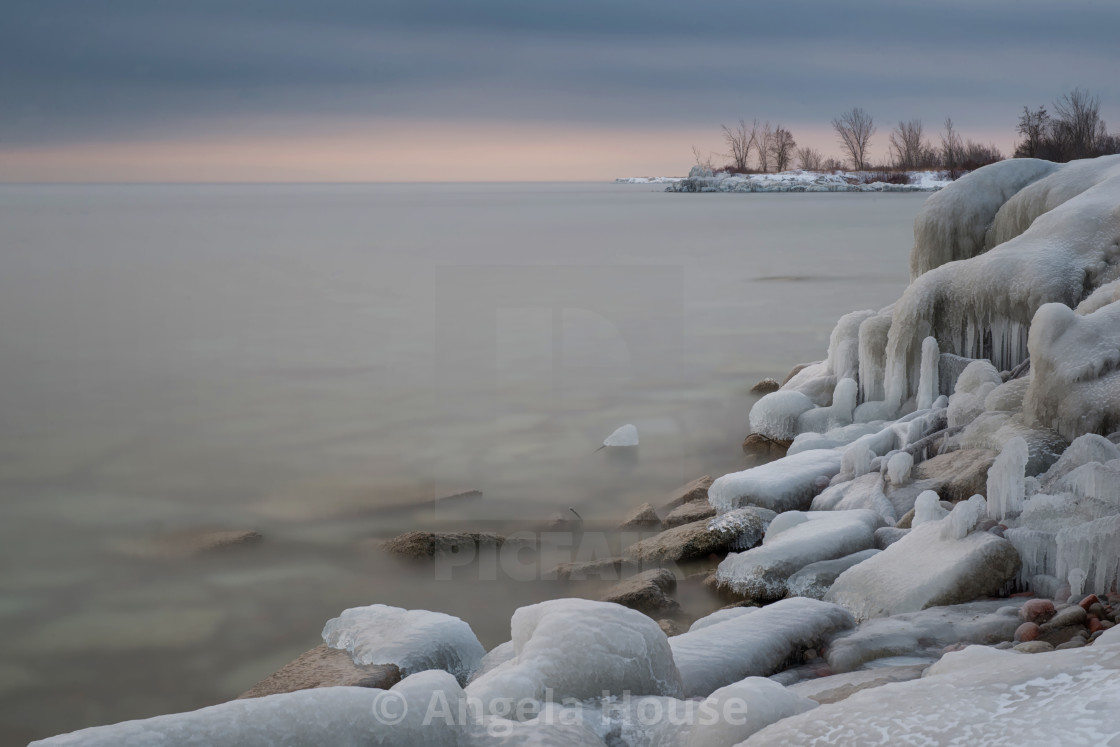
x=702, y=180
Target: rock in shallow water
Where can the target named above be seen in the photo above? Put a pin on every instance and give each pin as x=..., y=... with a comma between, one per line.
x=644, y=517
x=323, y=666
x=686, y=542
x=689, y=513
x=645, y=592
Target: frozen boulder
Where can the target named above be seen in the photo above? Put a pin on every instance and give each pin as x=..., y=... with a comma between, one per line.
x=925, y=633
x=750, y=524
x=330, y=715
x=1075, y=365
x=976, y=696
x=576, y=648
x=743, y=708
x=776, y=414
x=785, y=485
x=815, y=579
x=626, y=435
x=957, y=475
x=753, y=644
x=938, y=563
x=954, y=222
x=324, y=666
x=761, y=573
x=414, y=640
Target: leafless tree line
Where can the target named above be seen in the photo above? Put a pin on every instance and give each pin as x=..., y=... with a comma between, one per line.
x=1075, y=130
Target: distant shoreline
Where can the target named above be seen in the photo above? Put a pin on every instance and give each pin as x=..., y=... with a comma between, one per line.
x=703, y=180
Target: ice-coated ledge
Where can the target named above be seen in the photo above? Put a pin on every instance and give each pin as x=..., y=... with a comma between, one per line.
x=703, y=180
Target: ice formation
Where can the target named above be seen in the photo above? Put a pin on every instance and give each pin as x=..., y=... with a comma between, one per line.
x=766, y=702
x=761, y=573
x=898, y=467
x=1075, y=362
x=704, y=180
x=626, y=435
x=776, y=415
x=414, y=640
x=748, y=524
x=784, y=485
x=815, y=579
x=927, y=508
x=928, y=379
x=576, y=648
x=1006, y=488
x=1094, y=548
x=976, y=696
x=928, y=567
x=754, y=644
x=924, y=632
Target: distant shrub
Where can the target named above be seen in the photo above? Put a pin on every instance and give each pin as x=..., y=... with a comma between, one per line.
x=887, y=177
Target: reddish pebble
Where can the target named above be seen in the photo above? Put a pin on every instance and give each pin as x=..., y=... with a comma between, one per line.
x=1028, y=631
x=1037, y=610
x=1089, y=601
x=1095, y=624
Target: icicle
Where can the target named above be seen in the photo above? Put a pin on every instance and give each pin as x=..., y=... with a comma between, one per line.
x=1006, y=488
x=927, y=507
x=928, y=378
x=1038, y=551
x=1076, y=582
x=964, y=517
x=856, y=460
x=1093, y=551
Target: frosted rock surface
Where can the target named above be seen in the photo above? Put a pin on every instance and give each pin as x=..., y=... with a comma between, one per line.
x=626, y=435
x=576, y=648
x=754, y=644
x=925, y=633
x=785, y=485
x=836, y=687
x=1084, y=449
x=761, y=573
x=926, y=568
x=414, y=640
x=976, y=696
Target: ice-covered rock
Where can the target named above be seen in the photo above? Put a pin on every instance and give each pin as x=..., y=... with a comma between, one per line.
x=576, y=648
x=976, y=696
x=736, y=711
x=753, y=644
x=355, y=716
x=685, y=542
x=785, y=485
x=626, y=435
x=898, y=467
x=954, y=223
x=761, y=573
x=930, y=566
x=1075, y=364
x=414, y=640
x=815, y=579
x=927, y=508
x=749, y=525
x=1094, y=548
x=836, y=415
x=776, y=415
x=925, y=633
x=1084, y=449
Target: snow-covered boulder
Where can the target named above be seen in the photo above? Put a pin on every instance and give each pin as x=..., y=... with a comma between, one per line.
x=976, y=696
x=576, y=648
x=754, y=644
x=414, y=640
x=836, y=687
x=743, y=708
x=785, y=485
x=761, y=573
x=938, y=563
x=925, y=633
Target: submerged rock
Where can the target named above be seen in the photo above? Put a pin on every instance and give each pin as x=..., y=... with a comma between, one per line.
x=693, y=492
x=645, y=592
x=686, y=542
x=427, y=545
x=187, y=543
x=689, y=513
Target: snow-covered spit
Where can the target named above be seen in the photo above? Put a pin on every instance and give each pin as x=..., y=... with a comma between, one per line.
x=701, y=179
x=906, y=612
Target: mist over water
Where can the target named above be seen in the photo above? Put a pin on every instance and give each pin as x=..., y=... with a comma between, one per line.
x=299, y=360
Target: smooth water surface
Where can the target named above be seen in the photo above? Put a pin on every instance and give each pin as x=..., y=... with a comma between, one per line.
x=297, y=359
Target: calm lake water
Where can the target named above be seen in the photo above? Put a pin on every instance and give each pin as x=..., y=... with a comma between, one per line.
x=295, y=359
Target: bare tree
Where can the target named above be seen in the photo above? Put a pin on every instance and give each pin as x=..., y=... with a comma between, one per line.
x=832, y=164
x=951, y=148
x=810, y=159
x=740, y=140
x=764, y=146
x=1078, y=120
x=702, y=161
x=782, y=148
x=855, y=128
x=1033, y=126
x=907, y=145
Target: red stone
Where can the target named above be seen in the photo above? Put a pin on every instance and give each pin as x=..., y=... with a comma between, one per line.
x=1028, y=631
x=1094, y=624
x=1037, y=610
x=1089, y=601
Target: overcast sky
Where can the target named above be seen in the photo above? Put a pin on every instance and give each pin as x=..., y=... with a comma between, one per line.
x=508, y=89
